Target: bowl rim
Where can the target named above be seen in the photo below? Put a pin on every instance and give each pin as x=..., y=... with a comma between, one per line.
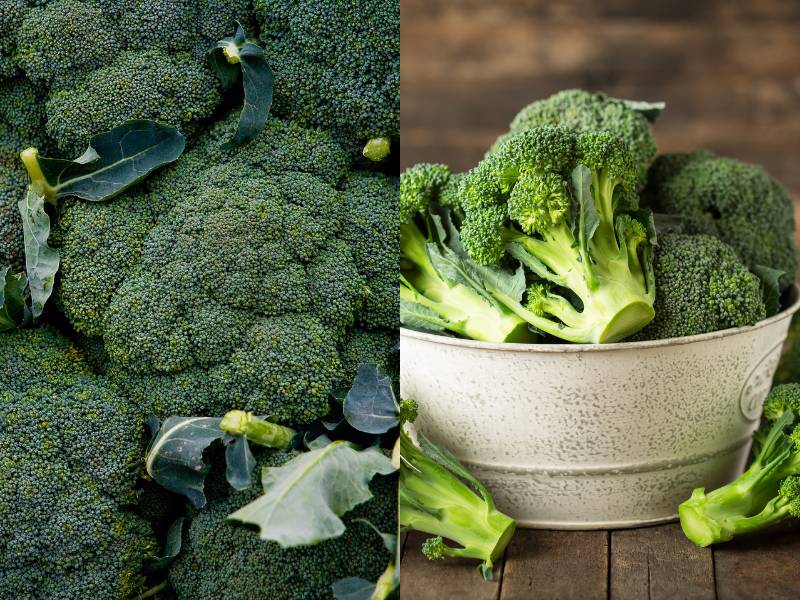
x=793, y=306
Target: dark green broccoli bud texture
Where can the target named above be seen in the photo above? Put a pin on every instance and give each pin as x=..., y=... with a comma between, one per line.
x=229, y=279
x=789, y=367
x=701, y=286
x=737, y=202
x=564, y=205
x=247, y=568
x=336, y=65
x=583, y=112
x=173, y=89
x=70, y=452
x=768, y=492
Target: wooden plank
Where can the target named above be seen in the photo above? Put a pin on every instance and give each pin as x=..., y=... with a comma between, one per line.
x=761, y=567
x=675, y=10
x=561, y=565
x=659, y=563
x=448, y=579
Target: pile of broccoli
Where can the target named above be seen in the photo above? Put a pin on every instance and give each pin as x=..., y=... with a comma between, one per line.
x=565, y=231
x=255, y=276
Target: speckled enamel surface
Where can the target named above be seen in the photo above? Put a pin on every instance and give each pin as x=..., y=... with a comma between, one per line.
x=611, y=437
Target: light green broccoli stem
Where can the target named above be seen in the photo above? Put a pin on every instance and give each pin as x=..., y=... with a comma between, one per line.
x=39, y=184
x=462, y=309
x=257, y=430
x=749, y=503
x=377, y=149
x=434, y=501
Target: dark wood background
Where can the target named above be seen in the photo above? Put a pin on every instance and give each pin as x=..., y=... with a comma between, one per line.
x=729, y=72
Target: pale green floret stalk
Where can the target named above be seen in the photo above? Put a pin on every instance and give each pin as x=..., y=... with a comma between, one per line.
x=257, y=430
x=460, y=308
x=30, y=158
x=448, y=502
x=377, y=149
x=765, y=494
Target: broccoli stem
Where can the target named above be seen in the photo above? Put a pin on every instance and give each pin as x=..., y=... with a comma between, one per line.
x=749, y=503
x=433, y=500
x=462, y=309
x=30, y=158
x=256, y=430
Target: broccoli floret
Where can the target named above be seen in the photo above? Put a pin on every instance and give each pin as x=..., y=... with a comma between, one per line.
x=584, y=112
x=734, y=201
x=564, y=205
x=371, y=231
x=61, y=40
x=70, y=451
x=767, y=493
x=701, y=286
x=336, y=65
x=440, y=497
x=173, y=89
x=782, y=399
x=437, y=287
x=200, y=280
x=247, y=567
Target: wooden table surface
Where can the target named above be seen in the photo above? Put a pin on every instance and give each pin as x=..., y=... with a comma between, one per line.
x=654, y=563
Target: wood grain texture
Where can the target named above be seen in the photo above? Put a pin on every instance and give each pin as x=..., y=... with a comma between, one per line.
x=563, y=565
x=762, y=567
x=448, y=579
x=729, y=72
x=659, y=563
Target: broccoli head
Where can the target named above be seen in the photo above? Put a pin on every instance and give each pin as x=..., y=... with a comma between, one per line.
x=766, y=493
x=201, y=280
x=336, y=65
x=563, y=204
x=247, y=567
x=583, y=112
x=70, y=452
x=737, y=202
x=701, y=286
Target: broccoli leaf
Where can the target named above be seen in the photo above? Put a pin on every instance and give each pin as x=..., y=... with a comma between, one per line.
x=41, y=261
x=240, y=462
x=417, y=316
x=649, y=110
x=257, y=80
x=172, y=547
x=304, y=499
x=114, y=160
x=353, y=588
x=370, y=405
x=13, y=311
x=175, y=457
x=770, y=287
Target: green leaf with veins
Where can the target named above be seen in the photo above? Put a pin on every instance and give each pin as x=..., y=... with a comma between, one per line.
x=770, y=287
x=13, y=312
x=175, y=457
x=114, y=161
x=41, y=261
x=257, y=80
x=370, y=405
x=304, y=499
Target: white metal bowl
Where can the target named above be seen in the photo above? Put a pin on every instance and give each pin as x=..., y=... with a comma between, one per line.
x=573, y=436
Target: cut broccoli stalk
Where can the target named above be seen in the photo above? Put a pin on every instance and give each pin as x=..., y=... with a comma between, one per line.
x=257, y=430
x=438, y=299
x=440, y=497
x=767, y=493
